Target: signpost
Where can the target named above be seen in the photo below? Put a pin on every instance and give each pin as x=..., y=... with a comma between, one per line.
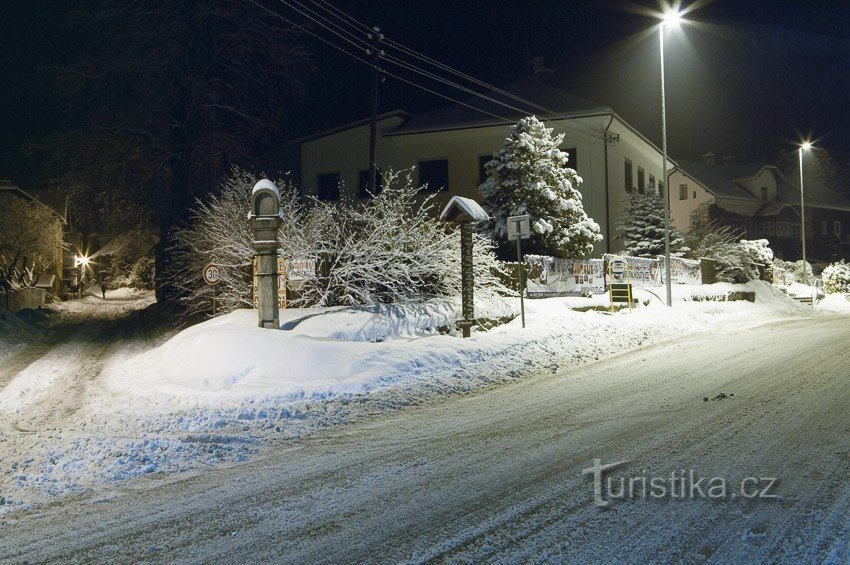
x=465, y=212
x=519, y=228
x=212, y=276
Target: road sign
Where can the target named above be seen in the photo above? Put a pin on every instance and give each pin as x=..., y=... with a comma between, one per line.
x=519, y=227
x=212, y=274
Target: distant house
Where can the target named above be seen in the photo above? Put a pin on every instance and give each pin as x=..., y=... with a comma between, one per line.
x=57, y=203
x=449, y=147
x=761, y=202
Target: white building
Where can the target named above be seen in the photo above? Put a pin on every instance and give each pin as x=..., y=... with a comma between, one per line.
x=449, y=147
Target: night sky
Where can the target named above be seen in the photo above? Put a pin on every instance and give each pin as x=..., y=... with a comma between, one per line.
x=752, y=78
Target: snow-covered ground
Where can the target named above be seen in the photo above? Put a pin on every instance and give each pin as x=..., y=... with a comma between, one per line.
x=105, y=405
x=497, y=476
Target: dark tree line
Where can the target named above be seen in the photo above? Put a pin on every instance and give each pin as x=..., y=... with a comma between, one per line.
x=164, y=98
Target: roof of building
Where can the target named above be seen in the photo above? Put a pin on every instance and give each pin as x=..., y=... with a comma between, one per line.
x=723, y=180
x=56, y=201
x=558, y=103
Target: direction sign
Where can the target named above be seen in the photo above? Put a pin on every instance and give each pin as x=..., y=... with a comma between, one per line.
x=519, y=227
x=212, y=274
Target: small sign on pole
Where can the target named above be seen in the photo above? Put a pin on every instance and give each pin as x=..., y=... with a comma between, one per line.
x=519, y=228
x=212, y=276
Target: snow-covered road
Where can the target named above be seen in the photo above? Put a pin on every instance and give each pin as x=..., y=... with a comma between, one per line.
x=497, y=474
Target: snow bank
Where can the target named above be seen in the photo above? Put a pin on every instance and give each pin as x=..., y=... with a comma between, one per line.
x=836, y=303
x=323, y=353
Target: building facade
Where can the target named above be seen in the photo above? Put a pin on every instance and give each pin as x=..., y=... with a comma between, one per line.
x=447, y=149
x=759, y=201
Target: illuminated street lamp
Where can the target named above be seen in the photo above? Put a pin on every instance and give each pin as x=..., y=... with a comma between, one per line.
x=805, y=146
x=671, y=17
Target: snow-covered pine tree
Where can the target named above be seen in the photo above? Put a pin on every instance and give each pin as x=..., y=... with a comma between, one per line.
x=642, y=227
x=529, y=176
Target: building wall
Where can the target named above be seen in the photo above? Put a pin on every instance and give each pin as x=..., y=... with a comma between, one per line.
x=681, y=209
x=642, y=155
x=346, y=153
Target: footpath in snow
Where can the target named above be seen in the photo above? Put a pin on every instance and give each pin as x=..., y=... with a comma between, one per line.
x=217, y=392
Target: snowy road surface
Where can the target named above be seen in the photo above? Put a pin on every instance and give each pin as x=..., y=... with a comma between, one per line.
x=497, y=475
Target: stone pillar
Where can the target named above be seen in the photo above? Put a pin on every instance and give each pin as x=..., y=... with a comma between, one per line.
x=265, y=220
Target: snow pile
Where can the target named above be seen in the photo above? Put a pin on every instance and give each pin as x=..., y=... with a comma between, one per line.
x=324, y=353
x=835, y=303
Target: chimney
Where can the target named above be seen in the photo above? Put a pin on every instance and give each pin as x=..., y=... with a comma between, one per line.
x=709, y=158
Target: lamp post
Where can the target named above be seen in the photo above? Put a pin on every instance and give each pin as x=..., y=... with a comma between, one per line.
x=804, y=147
x=672, y=17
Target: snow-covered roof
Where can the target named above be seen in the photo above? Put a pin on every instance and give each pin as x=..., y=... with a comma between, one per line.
x=460, y=209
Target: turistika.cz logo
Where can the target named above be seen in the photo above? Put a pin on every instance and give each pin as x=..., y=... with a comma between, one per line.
x=679, y=484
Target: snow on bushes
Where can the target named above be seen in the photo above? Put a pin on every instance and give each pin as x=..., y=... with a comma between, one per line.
x=642, y=227
x=743, y=261
x=836, y=278
x=390, y=248
x=529, y=176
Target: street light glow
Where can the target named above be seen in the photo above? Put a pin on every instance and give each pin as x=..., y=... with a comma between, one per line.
x=806, y=145
x=672, y=17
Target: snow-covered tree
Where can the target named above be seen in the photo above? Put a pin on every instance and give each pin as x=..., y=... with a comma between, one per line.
x=836, y=277
x=218, y=232
x=529, y=176
x=743, y=261
x=30, y=240
x=705, y=234
x=390, y=248
x=642, y=227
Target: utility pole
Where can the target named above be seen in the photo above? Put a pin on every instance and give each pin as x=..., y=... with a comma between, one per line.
x=375, y=53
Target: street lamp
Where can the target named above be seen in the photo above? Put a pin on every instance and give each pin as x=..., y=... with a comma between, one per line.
x=671, y=17
x=805, y=146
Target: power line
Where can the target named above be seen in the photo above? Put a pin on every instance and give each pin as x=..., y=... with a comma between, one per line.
x=347, y=18
x=362, y=60
x=359, y=44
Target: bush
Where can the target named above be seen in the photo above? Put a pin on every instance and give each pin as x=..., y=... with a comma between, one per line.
x=743, y=261
x=390, y=248
x=143, y=273
x=836, y=278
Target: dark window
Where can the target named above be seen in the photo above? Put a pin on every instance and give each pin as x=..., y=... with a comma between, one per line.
x=435, y=174
x=628, y=173
x=836, y=227
x=641, y=180
x=823, y=228
x=683, y=192
x=482, y=164
x=328, y=187
x=572, y=158
x=764, y=193
x=695, y=194
x=651, y=184
x=661, y=189
x=363, y=183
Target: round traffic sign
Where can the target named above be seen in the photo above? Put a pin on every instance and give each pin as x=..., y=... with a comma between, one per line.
x=212, y=274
